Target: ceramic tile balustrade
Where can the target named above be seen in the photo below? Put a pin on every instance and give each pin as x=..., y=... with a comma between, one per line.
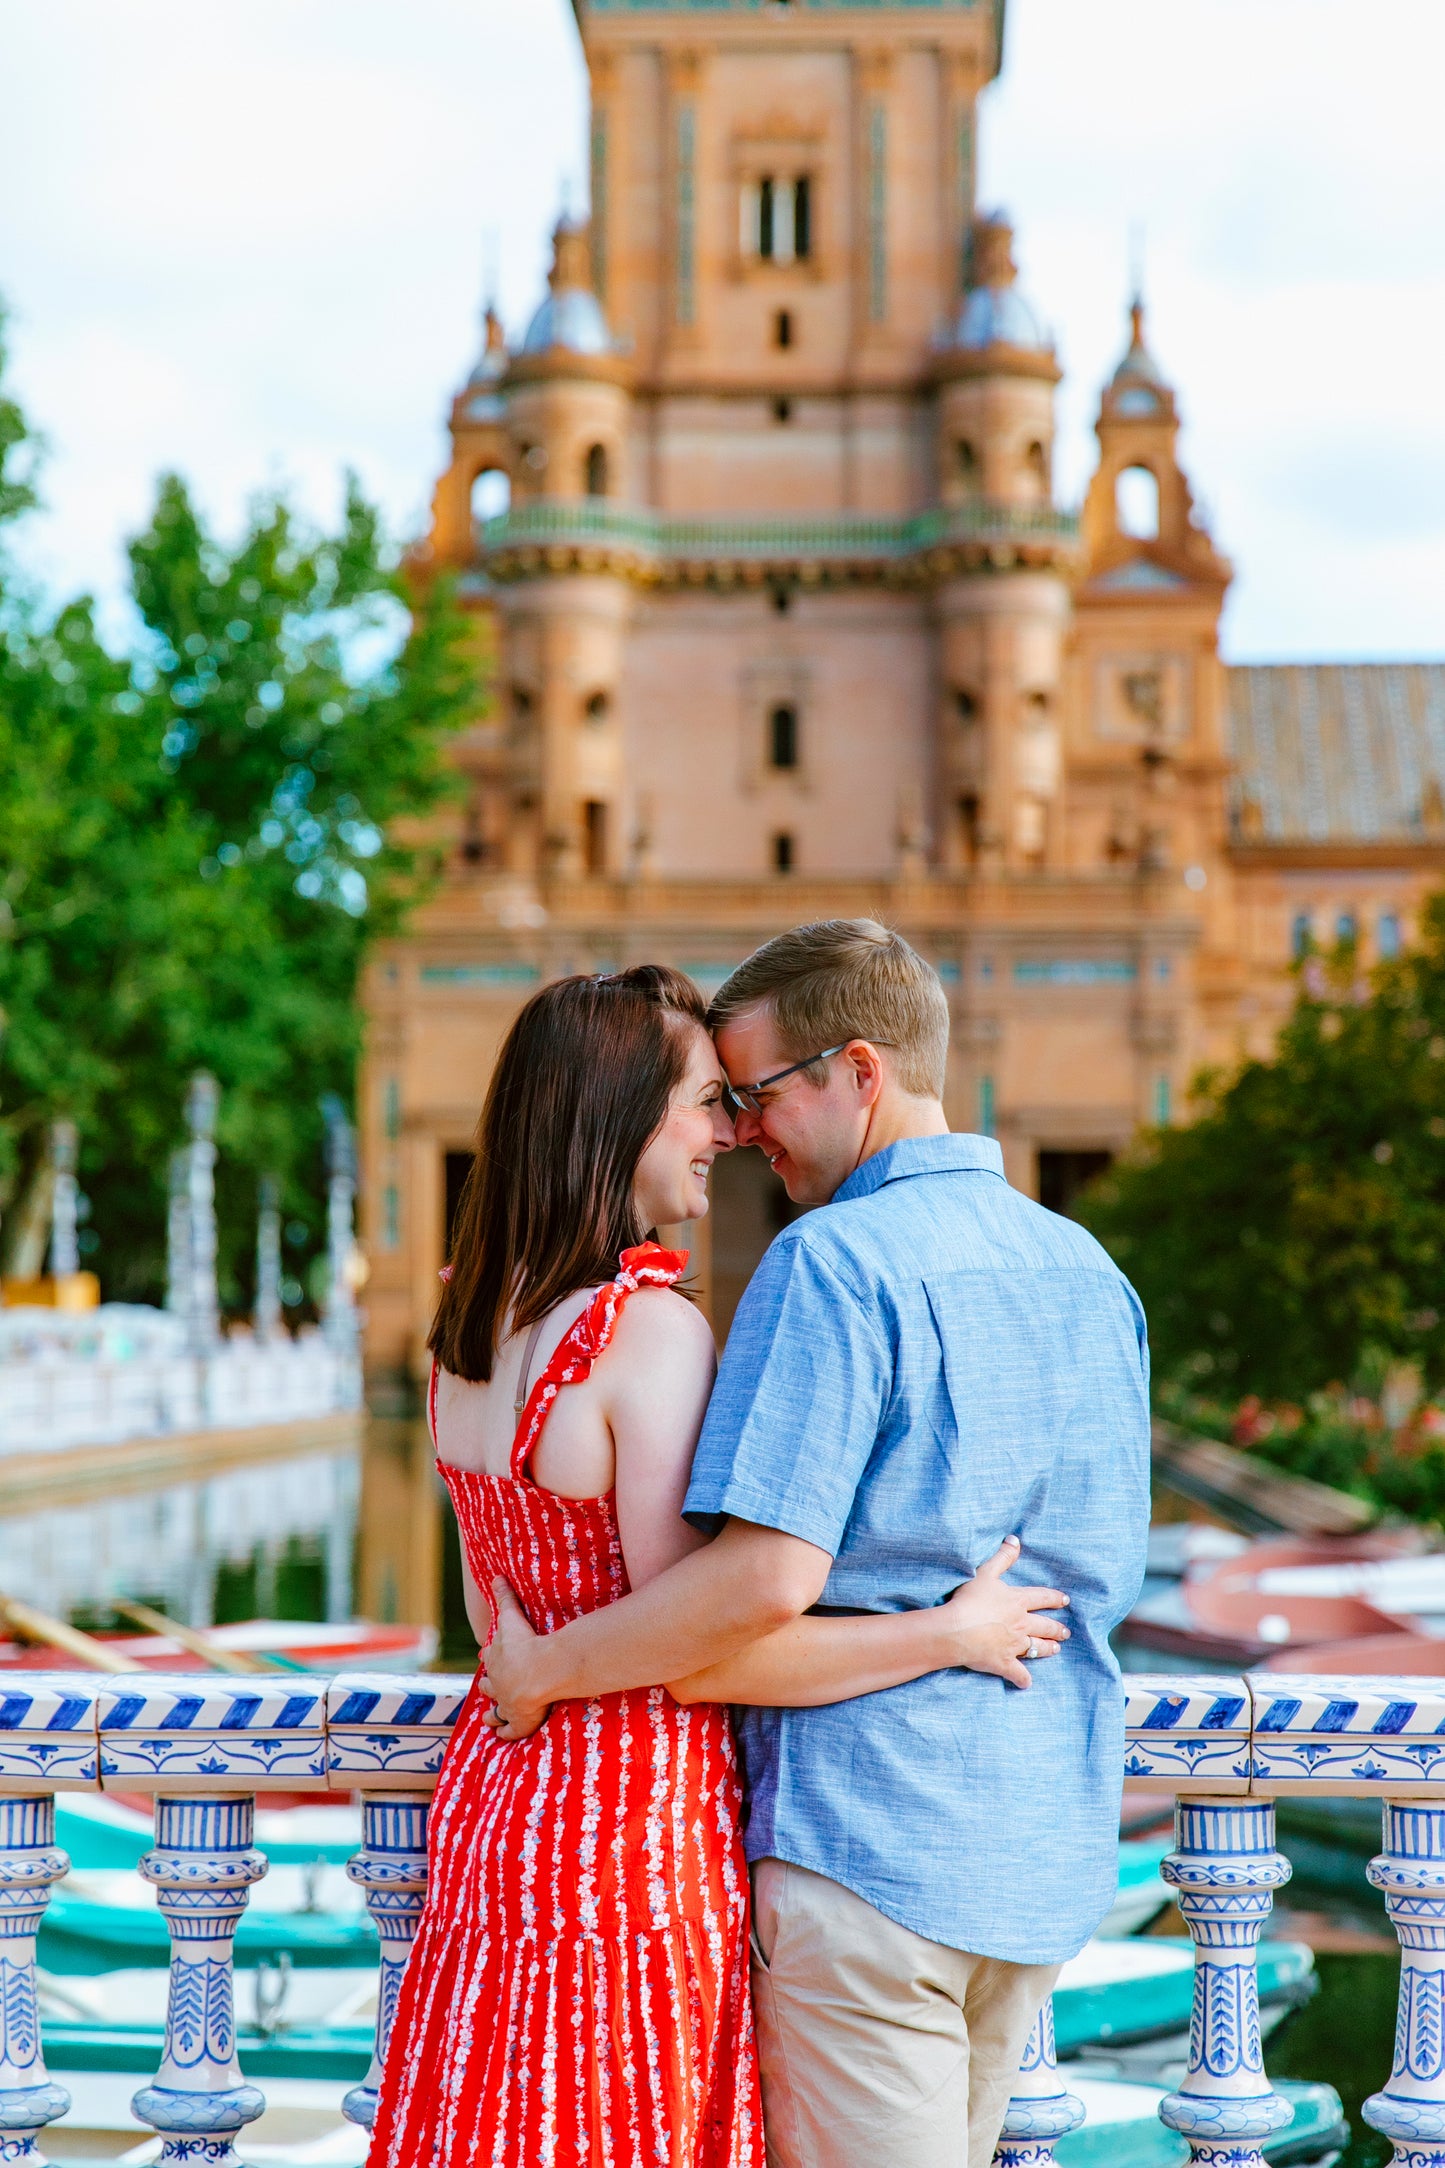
x=205, y=1746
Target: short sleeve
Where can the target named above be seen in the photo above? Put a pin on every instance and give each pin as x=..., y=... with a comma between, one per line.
x=798, y=1403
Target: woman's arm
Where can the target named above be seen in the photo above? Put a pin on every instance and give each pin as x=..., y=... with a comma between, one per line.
x=656, y=1379
x=479, y=1618
x=985, y=1626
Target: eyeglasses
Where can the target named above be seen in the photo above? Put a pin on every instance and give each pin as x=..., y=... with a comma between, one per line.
x=749, y=1097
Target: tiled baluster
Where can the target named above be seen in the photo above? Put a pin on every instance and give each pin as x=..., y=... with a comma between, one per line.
x=1224, y=1871
x=202, y=1867
x=29, y=1865
x=206, y=1745
x=1410, y=2112
x=1042, y=2110
x=391, y=1868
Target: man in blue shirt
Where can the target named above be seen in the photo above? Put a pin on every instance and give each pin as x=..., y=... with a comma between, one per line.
x=929, y=1364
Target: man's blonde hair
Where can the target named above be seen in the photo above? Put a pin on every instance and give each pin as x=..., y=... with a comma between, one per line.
x=841, y=979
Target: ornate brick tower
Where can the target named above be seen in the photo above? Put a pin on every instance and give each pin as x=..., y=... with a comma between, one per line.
x=758, y=521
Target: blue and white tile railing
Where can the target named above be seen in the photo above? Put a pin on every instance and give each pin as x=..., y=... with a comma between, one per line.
x=1227, y=1747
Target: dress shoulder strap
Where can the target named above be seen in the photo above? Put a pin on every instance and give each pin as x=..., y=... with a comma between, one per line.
x=649, y=1265
x=522, y=1375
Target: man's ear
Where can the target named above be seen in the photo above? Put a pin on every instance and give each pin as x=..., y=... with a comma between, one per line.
x=868, y=1067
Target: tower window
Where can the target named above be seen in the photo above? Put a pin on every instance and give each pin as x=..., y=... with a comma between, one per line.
x=594, y=836
x=1036, y=459
x=969, y=472
x=782, y=600
x=778, y=218
x=1301, y=939
x=783, y=855
x=1136, y=503
x=968, y=826
x=967, y=705
x=598, y=708
x=1387, y=935
x=783, y=328
x=521, y=700
x=782, y=410
x=802, y=218
x=491, y=495
x=596, y=477
x=1346, y=930
x=767, y=218
x=783, y=742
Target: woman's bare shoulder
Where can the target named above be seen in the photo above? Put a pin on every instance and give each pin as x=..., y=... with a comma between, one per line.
x=659, y=1325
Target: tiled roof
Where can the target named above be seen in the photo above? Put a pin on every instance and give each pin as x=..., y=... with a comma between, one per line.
x=1331, y=752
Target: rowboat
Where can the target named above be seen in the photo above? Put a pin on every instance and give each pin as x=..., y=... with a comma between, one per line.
x=359, y=1645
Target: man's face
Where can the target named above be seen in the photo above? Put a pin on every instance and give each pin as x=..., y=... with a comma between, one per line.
x=812, y=1137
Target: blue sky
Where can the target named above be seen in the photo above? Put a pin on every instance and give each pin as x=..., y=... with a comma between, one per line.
x=249, y=241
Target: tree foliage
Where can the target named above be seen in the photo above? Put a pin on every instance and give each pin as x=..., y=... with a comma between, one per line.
x=1295, y=1234
x=197, y=846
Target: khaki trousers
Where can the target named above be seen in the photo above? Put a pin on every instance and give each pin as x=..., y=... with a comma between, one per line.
x=879, y=2048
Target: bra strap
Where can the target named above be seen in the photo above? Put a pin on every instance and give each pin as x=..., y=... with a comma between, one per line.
x=527, y=1353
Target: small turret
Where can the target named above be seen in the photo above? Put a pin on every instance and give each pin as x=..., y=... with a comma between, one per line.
x=996, y=375
x=1139, y=512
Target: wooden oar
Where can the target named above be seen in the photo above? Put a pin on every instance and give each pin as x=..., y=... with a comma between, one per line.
x=53, y=1633
x=236, y=1661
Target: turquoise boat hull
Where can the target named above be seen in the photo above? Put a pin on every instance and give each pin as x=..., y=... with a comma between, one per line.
x=1319, y=2128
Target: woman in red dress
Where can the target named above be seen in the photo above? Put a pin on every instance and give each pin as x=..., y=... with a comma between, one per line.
x=578, y=1993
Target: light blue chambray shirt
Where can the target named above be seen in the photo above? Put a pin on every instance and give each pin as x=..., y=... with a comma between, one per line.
x=926, y=1365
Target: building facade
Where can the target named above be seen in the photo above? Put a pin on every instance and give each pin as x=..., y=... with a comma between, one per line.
x=783, y=620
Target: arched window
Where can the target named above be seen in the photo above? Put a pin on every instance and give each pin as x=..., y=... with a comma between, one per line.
x=596, y=476
x=1387, y=935
x=1136, y=503
x=1301, y=939
x=967, y=705
x=1347, y=931
x=1036, y=459
x=783, y=737
x=968, y=466
x=784, y=857
x=491, y=495
x=598, y=707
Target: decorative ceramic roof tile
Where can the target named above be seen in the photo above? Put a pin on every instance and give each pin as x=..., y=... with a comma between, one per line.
x=1331, y=752
x=1347, y=1734
x=385, y=1732
x=47, y=1731
x=1194, y=1729
x=202, y=1732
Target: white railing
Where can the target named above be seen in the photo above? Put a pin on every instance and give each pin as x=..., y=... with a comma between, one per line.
x=97, y=1377
x=205, y=1747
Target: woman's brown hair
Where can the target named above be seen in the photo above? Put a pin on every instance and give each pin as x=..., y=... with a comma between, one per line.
x=581, y=1087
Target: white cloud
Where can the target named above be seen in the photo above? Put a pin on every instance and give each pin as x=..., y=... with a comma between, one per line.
x=247, y=241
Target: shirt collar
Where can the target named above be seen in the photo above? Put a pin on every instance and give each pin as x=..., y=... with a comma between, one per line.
x=922, y=1155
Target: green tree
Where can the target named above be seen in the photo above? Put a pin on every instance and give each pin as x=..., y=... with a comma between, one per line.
x=198, y=844
x=1295, y=1233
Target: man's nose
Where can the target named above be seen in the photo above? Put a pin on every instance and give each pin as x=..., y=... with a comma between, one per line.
x=749, y=1127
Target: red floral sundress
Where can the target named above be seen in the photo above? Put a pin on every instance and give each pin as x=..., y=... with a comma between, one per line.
x=578, y=1993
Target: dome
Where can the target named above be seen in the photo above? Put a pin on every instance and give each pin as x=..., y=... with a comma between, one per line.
x=994, y=312
x=572, y=318
x=998, y=316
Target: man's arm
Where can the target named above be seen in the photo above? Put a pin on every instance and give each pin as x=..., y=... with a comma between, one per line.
x=748, y=1582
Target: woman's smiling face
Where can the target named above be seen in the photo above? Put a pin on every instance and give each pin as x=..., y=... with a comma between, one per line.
x=671, y=1180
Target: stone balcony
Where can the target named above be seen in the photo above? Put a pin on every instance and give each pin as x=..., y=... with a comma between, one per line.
x=205, y=1747
x=653, y=550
